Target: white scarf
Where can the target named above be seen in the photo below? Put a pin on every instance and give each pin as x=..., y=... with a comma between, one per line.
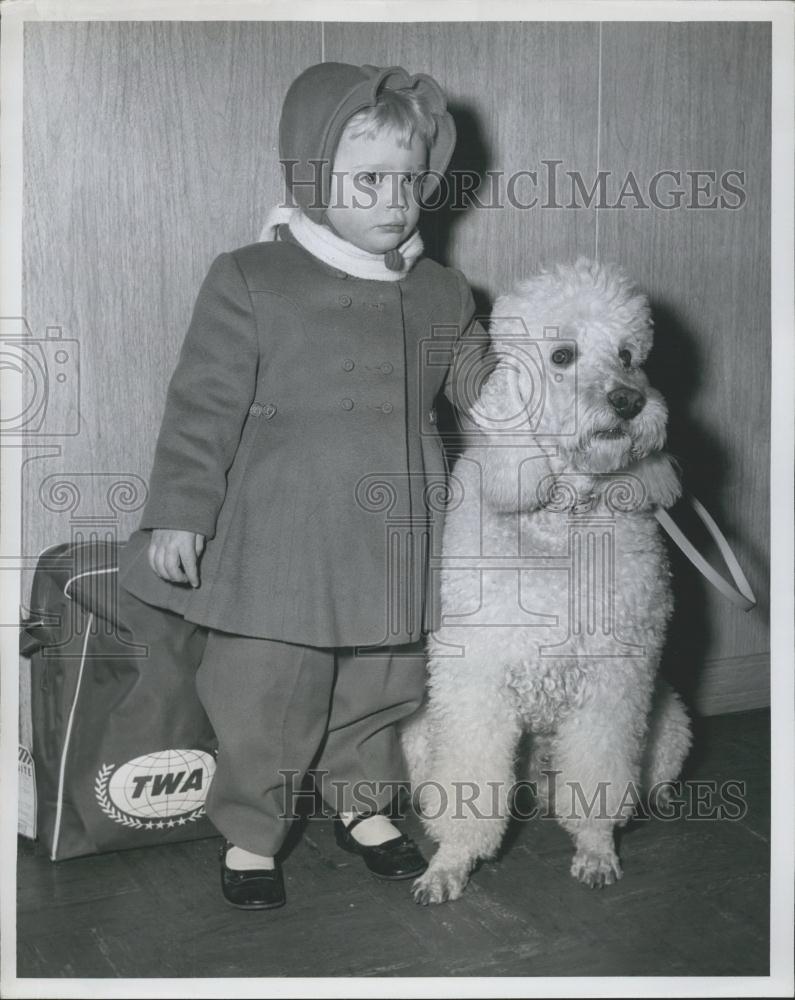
x=324, y=244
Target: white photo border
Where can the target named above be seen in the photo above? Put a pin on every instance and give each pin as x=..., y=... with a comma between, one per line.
x=782, y=17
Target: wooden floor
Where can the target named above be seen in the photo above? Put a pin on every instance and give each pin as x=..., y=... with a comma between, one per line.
x=693, y=901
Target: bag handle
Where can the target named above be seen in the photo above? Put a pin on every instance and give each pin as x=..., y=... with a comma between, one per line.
x=91, y=572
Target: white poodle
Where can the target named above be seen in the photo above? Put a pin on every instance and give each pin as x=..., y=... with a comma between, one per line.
x=555, y=586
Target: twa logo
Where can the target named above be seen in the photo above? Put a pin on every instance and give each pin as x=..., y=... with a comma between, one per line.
x=156, y=791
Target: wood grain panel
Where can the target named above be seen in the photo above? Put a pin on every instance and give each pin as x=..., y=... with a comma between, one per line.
x=697, y=97
x=520, y=93
x=149, y=148
x=736, y=684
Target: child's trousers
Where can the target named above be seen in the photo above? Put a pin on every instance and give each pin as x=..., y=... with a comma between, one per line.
x=279, y=707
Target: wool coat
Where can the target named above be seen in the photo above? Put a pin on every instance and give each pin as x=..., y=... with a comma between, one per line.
x=299, y=436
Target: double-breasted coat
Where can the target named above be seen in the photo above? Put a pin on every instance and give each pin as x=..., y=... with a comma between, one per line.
x=299, y=437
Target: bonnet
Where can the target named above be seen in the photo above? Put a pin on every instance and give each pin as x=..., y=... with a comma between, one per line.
x=316, y=109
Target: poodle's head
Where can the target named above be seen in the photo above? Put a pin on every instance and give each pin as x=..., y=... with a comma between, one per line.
x=570, y=344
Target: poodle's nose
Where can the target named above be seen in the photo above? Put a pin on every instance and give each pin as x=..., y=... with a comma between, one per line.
x=626, y=402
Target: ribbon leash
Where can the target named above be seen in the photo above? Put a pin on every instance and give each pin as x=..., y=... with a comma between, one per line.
x=740, y=594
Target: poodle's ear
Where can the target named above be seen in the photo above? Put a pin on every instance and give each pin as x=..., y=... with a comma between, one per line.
x=500, y=407
x=512, y=319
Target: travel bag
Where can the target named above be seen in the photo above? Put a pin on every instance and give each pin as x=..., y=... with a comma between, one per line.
x=123, y=749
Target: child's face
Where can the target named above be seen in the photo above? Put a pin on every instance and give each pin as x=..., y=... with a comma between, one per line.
x=372, y=199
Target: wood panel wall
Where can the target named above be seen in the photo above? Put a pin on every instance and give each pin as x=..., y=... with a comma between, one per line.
x=151, y=147
x=695, y=97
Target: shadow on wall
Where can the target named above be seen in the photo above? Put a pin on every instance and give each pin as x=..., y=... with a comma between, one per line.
x=675, y=367
x=471, y=159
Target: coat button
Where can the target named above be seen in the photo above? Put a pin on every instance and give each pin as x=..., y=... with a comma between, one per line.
x=347, y=404
x=386, y=408
x=269, y=411
x=432, y=416
x=386, y=368
x=344, y=300
x=255, y=409
x=348, y=365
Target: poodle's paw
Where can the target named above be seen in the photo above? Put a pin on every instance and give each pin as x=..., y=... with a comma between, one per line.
x=661, y=795
x=596, y=870
x=440, y=884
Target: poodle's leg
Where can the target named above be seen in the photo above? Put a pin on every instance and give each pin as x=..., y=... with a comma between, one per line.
x=597, y=768
x=667, y=742
x=465, y=804
x=415, y=740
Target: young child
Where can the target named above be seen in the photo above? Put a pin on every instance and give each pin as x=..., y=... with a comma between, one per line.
x=291, y=498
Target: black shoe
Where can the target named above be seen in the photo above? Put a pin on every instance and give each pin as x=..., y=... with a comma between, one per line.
x=395, y=859
x=258, y=889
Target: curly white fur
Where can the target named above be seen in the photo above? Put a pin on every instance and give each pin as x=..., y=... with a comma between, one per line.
x=555, y=584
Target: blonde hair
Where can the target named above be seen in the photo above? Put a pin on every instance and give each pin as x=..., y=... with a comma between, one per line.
x=403, y=111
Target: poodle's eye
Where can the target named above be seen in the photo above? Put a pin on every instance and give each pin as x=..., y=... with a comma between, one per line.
x=562, y=357
x=625, y=357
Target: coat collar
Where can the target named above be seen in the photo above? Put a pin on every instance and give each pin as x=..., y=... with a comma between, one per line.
x=284, y=235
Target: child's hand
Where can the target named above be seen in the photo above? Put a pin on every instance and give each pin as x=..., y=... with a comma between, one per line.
x=173, y=555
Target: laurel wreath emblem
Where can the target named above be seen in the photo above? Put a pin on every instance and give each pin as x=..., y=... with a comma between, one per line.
x=105, y=804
